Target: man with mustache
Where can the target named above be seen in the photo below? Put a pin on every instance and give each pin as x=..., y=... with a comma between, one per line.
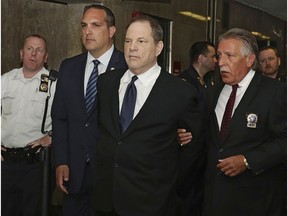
x=247, y=137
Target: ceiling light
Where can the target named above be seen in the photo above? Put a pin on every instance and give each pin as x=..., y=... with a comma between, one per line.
x=196, y=16
x=262, y=36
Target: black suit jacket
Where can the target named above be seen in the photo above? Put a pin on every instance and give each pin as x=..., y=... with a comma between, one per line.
x=75, y=133
x=136, y=172
x=259, y=191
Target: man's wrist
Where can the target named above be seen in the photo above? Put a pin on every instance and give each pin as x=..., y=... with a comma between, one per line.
x=49, y=133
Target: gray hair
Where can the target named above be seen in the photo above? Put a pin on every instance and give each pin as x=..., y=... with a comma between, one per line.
x=249, y=42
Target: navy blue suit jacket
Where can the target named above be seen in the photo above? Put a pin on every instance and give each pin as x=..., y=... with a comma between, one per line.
x=75, y=133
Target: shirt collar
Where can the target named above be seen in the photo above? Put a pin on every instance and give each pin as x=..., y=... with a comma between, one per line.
x=146, y=77
x=20, y=75
x=104, y=59
x=247, y=79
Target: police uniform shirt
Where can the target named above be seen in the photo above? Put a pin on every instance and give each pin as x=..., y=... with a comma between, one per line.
x=23, y=104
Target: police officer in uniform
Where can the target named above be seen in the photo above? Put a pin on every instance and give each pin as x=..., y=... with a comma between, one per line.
x=23, y=95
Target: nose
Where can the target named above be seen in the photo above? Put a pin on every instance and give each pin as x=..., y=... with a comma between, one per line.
x=86, y=30
x=132, y=46
x=34, y=51
x=221, y=61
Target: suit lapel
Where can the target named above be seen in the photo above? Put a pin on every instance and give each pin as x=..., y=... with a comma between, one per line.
x=152, y=98
x=115, y=100
x=244, y=103
x=214, y=100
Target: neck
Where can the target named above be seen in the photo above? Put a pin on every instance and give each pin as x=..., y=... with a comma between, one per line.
x=201, y=72
x=99, y=52
x=29, y=74
x=274, y=75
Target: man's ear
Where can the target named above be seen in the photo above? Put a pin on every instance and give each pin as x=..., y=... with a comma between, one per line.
x=159, y=48
x=21, y=55
x=112, y=31
x=201, y=58
x=251, y=59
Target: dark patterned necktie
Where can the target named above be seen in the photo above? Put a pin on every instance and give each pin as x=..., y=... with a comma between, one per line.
x=91, y=87
x=228, y=112
x=128, y=106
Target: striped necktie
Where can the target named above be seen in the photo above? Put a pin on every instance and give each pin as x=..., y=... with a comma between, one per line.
x=91, y=87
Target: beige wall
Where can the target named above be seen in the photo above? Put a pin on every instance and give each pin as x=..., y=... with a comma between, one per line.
x=60, y=24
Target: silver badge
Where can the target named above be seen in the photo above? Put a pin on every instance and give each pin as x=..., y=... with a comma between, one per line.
x=252, y=119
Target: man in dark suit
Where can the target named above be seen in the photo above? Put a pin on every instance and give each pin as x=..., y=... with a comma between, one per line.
x=269, y=62
x=137, y=168
x=75, y=130
x=202, y=60
x=246, y=154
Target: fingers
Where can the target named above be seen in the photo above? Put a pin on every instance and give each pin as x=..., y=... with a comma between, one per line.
x=184, y=137
x=181, y=130
x=62, y=177
x=232, y=166
x=44, y=141
x=34, y=143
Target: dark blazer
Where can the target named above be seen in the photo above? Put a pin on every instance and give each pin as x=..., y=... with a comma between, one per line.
x=191, y=189
x=136, y=172
x=74, y=131
x=259, y=191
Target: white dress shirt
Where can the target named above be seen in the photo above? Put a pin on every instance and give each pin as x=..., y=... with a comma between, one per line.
x=144, y=85
x=225, y=94
x=102, y=67
x=23, y=108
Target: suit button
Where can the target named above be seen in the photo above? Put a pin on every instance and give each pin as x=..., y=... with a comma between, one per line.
x=119, y=142
x=115, y=165
x=87, y=124
x=221, y=150
x=219, y=173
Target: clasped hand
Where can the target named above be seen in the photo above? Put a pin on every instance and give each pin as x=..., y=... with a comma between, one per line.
x=232, y=166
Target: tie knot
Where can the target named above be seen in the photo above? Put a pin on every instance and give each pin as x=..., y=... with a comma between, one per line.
x=134, y=78
x=234, y=87
x=96, y=62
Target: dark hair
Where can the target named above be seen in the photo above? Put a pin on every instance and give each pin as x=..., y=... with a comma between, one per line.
x=109, y=19
x=198, y=48
x=269, y=47
x=37, y=36
x=157, y=31
x=249, y=42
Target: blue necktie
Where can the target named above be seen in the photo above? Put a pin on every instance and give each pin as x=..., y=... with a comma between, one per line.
x=128, y=106
x=91, y=87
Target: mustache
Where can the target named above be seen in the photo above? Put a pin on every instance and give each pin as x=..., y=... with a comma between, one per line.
x=223, y=69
